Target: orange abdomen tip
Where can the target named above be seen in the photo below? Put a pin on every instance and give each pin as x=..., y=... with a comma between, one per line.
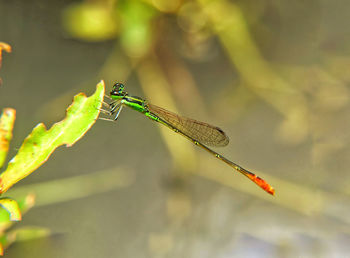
x=262, y=183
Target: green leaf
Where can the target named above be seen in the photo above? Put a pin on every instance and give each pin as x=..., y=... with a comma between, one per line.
x=7, y=120
x=25, y=203
x=12, y=207
x=39, y=145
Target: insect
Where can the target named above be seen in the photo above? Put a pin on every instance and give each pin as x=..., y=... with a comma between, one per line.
x=199, y=133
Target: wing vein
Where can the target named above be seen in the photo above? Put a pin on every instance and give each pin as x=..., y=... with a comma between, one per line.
x=199, y=131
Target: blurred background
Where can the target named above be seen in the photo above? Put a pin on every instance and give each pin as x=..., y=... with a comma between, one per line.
x=274, y=75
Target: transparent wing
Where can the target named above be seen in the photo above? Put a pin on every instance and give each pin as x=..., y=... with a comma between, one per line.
x=202, y=132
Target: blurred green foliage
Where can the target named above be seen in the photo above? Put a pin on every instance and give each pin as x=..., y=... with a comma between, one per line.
x=90, y=21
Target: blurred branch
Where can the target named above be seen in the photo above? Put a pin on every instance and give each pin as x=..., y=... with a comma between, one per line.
x=229, y=24
x=156, y=89
x=67, y=189
x=116, y=67
x=183, y=85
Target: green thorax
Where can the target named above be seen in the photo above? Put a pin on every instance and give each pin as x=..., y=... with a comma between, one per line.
x=135, y=103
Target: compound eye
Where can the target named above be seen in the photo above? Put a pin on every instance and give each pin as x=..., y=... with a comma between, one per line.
x=116, y=86
x=120, y=87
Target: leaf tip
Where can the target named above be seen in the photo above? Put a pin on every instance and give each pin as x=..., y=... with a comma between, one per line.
x=12, y=207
